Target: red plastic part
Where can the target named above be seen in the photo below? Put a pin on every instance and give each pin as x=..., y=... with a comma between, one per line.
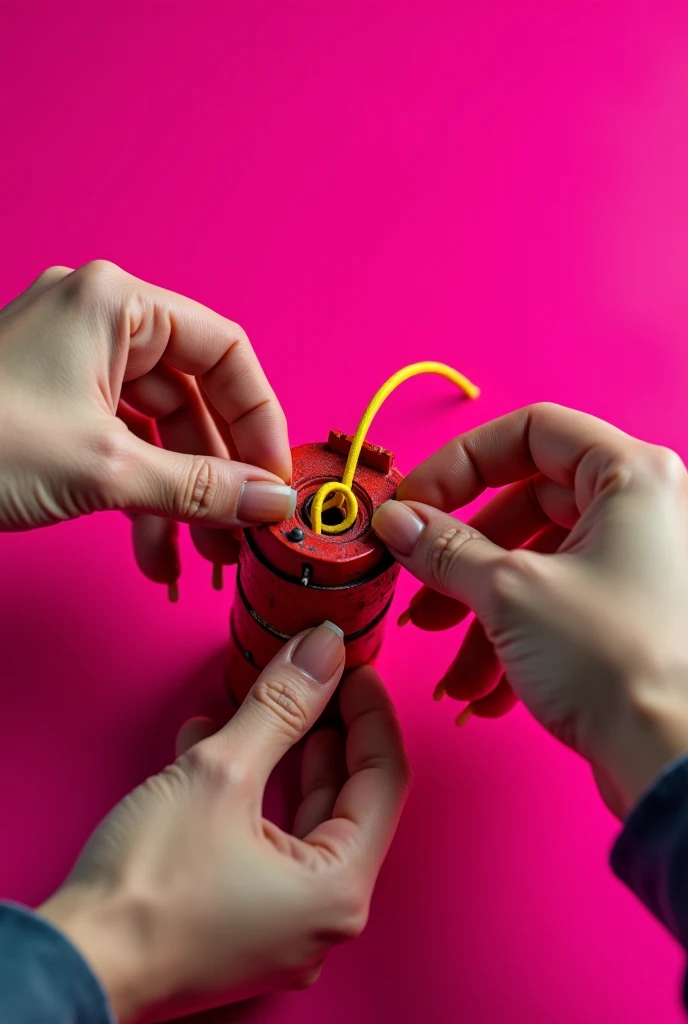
x=285, y=585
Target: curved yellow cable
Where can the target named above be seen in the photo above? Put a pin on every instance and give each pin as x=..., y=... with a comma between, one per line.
x=342, y=490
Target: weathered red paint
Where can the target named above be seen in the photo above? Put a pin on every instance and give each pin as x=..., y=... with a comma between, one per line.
x=285, y=585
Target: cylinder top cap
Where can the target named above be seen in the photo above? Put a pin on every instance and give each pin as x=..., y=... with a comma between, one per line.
x=330, y=559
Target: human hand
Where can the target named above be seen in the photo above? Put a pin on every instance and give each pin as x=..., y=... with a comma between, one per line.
x=79, y=347
x=185, y=889
x=586, y=622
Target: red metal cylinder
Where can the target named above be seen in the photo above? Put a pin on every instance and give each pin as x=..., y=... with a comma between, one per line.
x=290, y=578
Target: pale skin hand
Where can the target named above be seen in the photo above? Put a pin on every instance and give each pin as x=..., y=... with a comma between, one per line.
x=587, y=622
x=186, y=892
x=96, y=369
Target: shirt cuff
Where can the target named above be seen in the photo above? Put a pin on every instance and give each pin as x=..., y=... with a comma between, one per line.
x=651, y=854
x=44, y=979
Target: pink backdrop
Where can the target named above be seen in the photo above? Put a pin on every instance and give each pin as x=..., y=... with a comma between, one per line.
x=501, y=186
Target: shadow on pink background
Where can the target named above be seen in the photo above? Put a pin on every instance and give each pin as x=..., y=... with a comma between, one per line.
x=501, y=186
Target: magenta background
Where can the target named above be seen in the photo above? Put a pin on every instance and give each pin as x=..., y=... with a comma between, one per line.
x=501, y=186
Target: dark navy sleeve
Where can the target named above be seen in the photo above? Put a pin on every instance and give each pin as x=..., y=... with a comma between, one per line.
x=43, y=978
x=651, y=854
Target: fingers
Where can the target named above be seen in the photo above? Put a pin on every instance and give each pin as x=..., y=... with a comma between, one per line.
x=520, y=510
x=174, y=401
x=221, y=547
x=198, y=342
x=475, y=675
x=447, y=555
x=497, y=703
x=194, y=488
x=543, y=438
x=367, y=811
x=516, y=514
x=155, y=540
x=287, y=699
x=156, y=549
x=432, y=611
x=184, y=424
x=223, y=428
x=475, y=670
x=323, y=773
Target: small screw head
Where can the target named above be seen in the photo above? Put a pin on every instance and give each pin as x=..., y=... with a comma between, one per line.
x=296, y=535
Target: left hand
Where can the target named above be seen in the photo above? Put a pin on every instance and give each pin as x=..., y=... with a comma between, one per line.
x=186, y=889
x=98, y=367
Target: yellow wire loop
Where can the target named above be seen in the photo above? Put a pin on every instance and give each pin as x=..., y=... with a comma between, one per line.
x=342, y=490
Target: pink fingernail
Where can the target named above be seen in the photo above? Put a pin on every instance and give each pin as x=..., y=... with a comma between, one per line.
x=398, y=526
x=263, y=502
x=320, y=653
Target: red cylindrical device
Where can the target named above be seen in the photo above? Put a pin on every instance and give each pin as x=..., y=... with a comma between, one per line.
x=290, y=578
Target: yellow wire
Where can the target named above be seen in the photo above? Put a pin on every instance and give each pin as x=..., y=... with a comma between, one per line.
x=342, y=490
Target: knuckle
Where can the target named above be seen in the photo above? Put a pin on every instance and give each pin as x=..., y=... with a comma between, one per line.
x=94, y=278
x=447, y=550
x=352, y=914
x=199, y=492
x=205, y=760
x=284, y=699
x=109, y=462
x=52, y=274
x=239, y=335
x=666, y=465
x=544, y=409
x=113, y=446
x=98, y=269
x=644, y=465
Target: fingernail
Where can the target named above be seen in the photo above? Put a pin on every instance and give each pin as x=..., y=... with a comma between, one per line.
x=397, y=526
x=173, y=592
x=404, y=618
x=320, y=652
x=463, y=717
x=217, y=577
x=263, y=502
x=439, y=691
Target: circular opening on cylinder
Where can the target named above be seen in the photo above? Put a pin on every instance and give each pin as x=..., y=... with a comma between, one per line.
x=330, y=517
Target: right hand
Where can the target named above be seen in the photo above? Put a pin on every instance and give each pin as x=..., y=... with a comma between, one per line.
x=587, y=623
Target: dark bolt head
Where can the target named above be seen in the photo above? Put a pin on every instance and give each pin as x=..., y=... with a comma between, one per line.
x=296, y=535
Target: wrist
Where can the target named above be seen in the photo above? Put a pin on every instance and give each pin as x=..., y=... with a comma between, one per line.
x=113, y=933
x=648, y=731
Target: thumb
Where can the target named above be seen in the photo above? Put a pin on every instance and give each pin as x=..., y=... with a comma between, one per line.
x=197, y=488
x=441, y=551
x=287, y=699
